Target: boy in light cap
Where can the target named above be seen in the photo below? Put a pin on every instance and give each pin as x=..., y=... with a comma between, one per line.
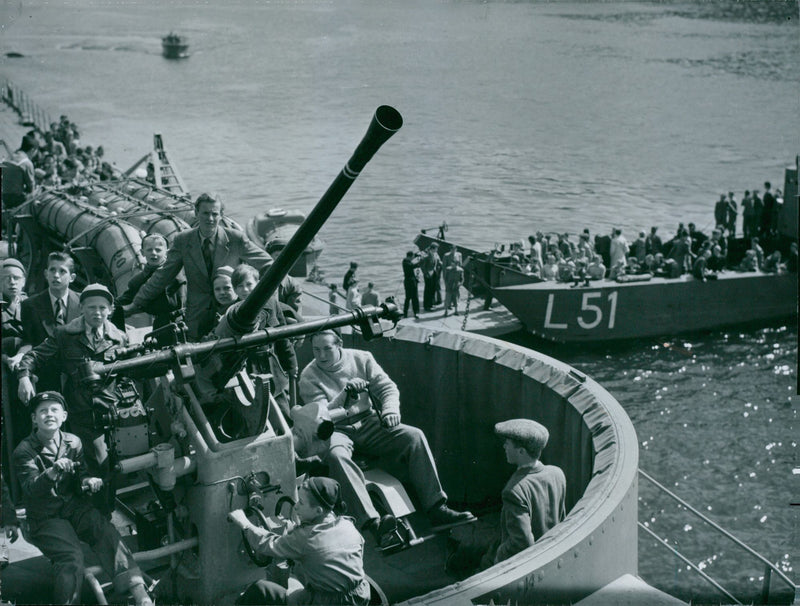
x=533, y=499
x=13, y=281
x=52, y=474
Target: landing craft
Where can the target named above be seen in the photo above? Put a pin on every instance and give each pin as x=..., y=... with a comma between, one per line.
x=641, y=306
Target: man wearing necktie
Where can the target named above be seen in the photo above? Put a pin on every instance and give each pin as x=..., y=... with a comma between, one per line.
x=45, y=311
x=199, y=251
x=91, y=336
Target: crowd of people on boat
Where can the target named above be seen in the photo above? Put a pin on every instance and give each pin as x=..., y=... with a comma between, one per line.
x=61, y=470
x=57, y=158
x=690, y=251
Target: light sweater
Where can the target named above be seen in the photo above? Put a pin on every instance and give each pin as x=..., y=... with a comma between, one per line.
x=319, y=385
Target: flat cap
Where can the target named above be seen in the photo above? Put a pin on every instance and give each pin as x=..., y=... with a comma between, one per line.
x=530, y=434
x=46, y=396
x=224, y=271
x=97, y=290
x=12, y=262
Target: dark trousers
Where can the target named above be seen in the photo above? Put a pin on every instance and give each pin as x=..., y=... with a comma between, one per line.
x=262, y=592
x=95, y=451
x=429, y=293
x=268, y=592
x=59, y=540
x=412, y=296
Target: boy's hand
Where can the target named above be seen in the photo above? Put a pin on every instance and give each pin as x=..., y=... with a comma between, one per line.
x=12, y=533
x=92, y=484
x=25, y=390
x=60, y=467
x=238, y=517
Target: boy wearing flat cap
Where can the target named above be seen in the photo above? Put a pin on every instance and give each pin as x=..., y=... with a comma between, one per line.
x=52, y=475
x=91, y=336
x=325, y=547
x=533, y=498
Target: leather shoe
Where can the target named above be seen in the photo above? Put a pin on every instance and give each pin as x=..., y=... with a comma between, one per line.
x=383, y=529
x=441, y=515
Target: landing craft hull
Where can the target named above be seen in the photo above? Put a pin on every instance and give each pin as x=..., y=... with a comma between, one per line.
x=608, y=311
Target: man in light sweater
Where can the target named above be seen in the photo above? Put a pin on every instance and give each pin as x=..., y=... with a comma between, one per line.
x=353, y=386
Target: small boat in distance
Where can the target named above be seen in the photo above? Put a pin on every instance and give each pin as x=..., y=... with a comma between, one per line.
x=273, y=229
x=174, y=46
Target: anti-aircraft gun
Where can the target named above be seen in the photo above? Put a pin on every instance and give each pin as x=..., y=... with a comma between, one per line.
x=198, y=467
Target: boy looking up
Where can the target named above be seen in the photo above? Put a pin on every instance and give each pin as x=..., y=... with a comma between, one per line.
x=44, y=312
x=171, y=299
x=88, y=337
x=52, y=475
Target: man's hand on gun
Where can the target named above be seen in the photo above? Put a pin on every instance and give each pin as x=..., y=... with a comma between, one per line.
x=91, y=484
x=355, y=387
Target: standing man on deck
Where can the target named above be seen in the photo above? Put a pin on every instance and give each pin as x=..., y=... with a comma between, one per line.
x=349, y=276
x=199, y=252
x=769, y=214
x=410, y=284
x=431, y=266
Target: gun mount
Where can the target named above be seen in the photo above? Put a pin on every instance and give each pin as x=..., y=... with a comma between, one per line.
x=207, y=436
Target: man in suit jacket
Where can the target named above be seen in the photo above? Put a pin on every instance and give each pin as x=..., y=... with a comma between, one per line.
x=199, y=252
x=45, y=311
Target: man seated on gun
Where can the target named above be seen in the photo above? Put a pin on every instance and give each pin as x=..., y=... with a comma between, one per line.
x=350, y=383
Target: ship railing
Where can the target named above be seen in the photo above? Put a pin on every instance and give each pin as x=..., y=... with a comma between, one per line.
x=30, y=112
x=770, y=569
x=326, y=301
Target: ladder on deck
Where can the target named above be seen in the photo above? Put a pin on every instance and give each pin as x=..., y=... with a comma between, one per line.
x=166, y=175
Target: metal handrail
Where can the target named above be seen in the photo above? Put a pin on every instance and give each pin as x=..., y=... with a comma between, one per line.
x=770, y=567
x=326, y=301
x=690, y=563
x=24, y=106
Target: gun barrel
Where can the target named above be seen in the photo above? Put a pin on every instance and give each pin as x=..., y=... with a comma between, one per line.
x=155, y=363
x=384, y=124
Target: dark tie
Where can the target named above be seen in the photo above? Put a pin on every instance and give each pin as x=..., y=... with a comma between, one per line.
x=208, y=256
x=96, y=338
x=59, y=312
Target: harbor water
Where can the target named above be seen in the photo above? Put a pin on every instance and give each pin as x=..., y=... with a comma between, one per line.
x=519, y=117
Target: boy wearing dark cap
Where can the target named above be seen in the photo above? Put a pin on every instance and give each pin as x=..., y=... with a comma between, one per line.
x=52, y=475
x=91, y=336
x=325, y=547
